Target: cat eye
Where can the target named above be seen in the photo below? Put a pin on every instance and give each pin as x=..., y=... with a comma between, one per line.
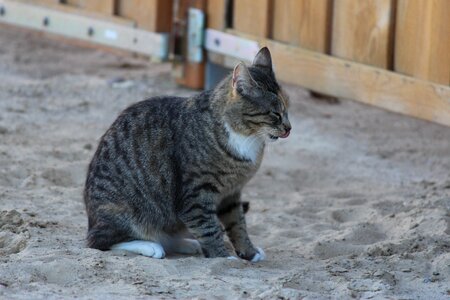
x=276, y=115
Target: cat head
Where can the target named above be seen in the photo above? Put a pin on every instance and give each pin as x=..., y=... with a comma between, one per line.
x=257, y=105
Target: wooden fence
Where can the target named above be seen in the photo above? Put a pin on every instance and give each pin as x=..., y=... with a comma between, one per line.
x=394, y=54
x=140, y=26
x=388, y=53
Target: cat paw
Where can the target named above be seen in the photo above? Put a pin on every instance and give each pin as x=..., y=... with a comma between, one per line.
x=145, y=248
x=259, y=256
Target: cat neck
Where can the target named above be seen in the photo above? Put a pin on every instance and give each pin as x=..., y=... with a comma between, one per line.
x=247, y=147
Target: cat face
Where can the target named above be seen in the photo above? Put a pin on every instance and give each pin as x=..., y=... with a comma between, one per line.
x=259, y=104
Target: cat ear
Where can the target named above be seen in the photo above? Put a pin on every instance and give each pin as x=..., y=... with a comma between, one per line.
x=242, y=78
x=263, y=58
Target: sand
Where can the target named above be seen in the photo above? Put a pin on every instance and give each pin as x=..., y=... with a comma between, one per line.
x=355, y=203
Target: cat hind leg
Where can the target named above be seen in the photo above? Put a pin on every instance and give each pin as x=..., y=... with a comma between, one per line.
x=103, y=236
x=186, y=246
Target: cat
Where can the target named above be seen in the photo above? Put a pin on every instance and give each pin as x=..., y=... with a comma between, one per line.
x=169, y=165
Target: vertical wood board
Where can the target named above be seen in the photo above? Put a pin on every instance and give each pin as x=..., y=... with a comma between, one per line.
x=363, y=31
x=152, y=15
x=304, y=23
x=99, y=6
x=423, y=39
x=253, y=17
x=216, y=14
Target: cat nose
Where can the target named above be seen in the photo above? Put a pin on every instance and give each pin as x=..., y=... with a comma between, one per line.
x=287, y=127
x=287, y=130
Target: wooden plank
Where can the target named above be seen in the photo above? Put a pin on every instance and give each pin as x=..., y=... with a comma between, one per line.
x=334, y=76
x=99, y=6
x=152, y=15
x=363, y=31
x=304, y=23
x=422, y=47
x=76, y=3
x=225, y=43
x=253, y=17
x=102, y=6
x=216, y=11
x=44, y=2
x=78, y=11
x=41, y=2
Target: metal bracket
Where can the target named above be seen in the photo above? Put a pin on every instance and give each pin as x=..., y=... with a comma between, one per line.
x=196, y=26
x=85, y=28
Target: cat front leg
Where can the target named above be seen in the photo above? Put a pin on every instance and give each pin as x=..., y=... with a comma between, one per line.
x=231, y=214
x=201, y=220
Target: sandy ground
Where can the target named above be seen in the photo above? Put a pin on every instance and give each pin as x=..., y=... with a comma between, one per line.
x=355, y=203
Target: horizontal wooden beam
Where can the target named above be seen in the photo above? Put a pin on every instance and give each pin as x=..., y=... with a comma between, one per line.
x=232, y=45
x=356, y=81
x=85, y=28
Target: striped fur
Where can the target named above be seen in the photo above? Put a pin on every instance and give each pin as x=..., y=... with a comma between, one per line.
x=168, y=164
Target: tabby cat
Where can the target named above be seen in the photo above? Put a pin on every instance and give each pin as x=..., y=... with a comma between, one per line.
x=170, y=165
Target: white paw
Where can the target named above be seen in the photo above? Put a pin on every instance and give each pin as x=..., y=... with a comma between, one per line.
x=259, y=256
x=146, y=248
x=232, y=258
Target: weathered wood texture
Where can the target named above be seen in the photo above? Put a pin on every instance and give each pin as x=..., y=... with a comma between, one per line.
x=304, y=23
x=47, y=1
x=363, y=31
x=100, y=6
x=422, y=47
x=216, y=14
x=152, y=15
x=253, y=17
x=62, y=6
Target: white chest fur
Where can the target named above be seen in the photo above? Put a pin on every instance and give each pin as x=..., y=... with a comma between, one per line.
x=247, y=147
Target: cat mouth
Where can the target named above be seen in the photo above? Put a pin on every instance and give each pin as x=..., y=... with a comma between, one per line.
x=283, y=136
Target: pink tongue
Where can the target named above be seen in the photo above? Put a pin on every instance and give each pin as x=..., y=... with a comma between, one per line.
x=285, y=135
